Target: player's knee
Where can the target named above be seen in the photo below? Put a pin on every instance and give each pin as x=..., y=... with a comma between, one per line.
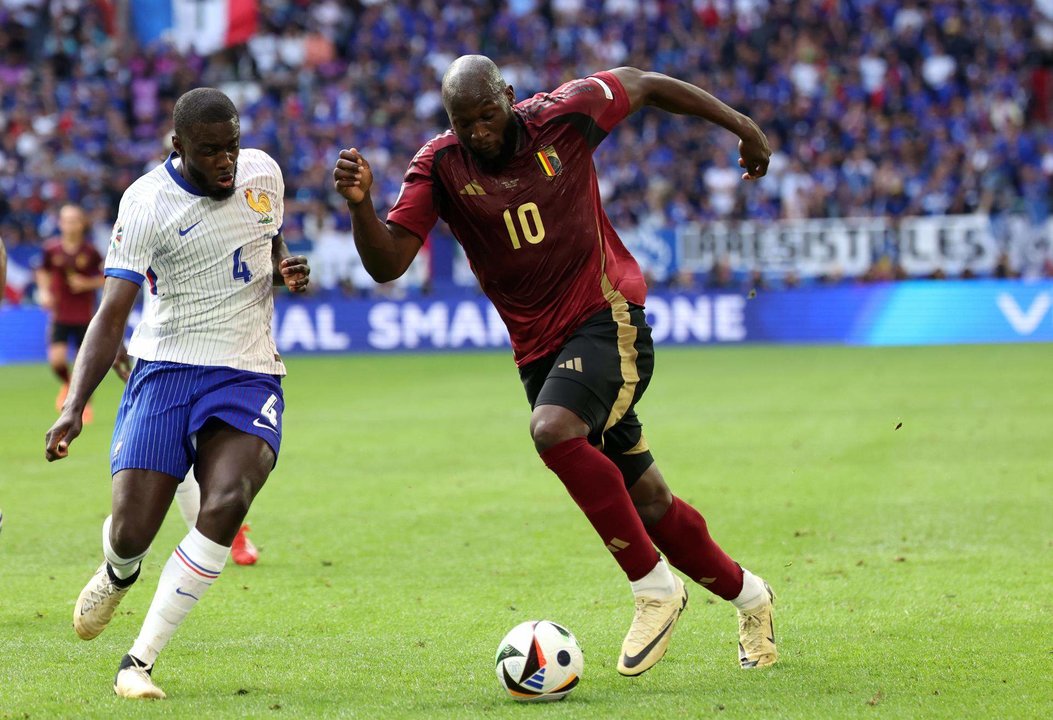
x=550, y=429
x=129, y=538
x=227, y=505
x=651, y=497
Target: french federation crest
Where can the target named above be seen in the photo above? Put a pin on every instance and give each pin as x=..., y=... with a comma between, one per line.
x=261, y=203
x=549, y=161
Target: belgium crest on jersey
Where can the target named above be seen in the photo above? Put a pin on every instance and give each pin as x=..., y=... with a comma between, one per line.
x=261, y=204
x=549, y=161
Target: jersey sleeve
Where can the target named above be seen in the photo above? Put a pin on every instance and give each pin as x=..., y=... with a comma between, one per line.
x=600, y=97
x=132, y=242
x=415, y=207
x=276, y=188
x=279, y=201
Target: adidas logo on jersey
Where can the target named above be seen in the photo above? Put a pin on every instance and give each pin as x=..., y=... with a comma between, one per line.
x=574, y=364
x=473, y=188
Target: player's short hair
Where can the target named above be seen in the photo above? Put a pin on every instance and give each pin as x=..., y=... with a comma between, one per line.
x=201, y=106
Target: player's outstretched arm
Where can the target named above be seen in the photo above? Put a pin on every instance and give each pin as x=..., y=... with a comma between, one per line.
x=386, y=249
x=292, y=271
x=97, y=354
x=677, y=96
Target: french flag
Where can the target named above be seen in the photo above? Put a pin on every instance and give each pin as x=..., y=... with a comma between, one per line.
x=204, y=26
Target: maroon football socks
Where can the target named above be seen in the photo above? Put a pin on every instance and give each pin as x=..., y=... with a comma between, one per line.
x=597, y=487
x=684, y=539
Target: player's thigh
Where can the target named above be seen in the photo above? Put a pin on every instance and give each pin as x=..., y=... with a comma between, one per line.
x=625, y=444
x=602, y=369
x=238, y=403
x=231, y=465
x=151, y=431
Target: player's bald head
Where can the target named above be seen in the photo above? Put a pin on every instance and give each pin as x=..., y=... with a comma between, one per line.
x=472, y=78
x=480, y=105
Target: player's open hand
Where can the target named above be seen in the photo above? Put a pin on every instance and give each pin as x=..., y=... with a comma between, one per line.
x=61, y=434
x=352, y=176
x=754, y=154
x=295, y=272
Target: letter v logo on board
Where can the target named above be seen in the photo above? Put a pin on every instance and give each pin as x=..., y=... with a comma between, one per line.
x=1024, y=322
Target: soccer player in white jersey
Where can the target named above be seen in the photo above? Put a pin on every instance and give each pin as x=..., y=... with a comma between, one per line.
x=203, y=230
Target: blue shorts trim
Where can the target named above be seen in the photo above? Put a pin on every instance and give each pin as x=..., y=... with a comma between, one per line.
x=165, y=404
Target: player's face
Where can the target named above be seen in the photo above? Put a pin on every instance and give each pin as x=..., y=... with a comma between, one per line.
x=485, y=127
x=210, y=157
x=71, y=222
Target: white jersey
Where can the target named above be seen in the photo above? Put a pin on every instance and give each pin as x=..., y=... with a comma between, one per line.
x=207, y=263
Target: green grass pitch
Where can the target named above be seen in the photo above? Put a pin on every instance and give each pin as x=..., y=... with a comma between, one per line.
x=409, y=525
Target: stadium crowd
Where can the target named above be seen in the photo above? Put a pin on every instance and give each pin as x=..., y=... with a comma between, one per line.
x=873, y=107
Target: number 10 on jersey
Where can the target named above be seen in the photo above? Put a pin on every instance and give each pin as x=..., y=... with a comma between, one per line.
x=529, y=218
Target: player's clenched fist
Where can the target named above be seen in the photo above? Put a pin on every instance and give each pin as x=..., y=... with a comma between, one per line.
x=61, y=434
x=352, y=176
x=295, y=272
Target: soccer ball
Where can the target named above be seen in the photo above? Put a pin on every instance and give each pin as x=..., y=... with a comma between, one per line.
x=539, y=660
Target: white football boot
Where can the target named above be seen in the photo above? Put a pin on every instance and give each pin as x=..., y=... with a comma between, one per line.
x=96, y=604
x=133, y=681
x=757, y=634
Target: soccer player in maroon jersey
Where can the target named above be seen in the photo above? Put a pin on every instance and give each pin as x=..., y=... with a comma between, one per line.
x=69, y=274
x=516, y=184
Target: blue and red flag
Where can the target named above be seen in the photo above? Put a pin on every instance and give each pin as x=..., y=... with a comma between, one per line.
x=204, y=26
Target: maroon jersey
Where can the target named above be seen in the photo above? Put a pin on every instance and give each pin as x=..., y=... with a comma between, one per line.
x=535, y=233
x=71, y=308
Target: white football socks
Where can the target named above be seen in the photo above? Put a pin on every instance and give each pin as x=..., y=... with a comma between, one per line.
x=753, y=593
x=193, y=567
x=658, y=583
x=188, y=499
x=123, y=568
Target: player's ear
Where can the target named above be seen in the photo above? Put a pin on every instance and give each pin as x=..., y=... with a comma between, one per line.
x=510, y=94
x=177, y=145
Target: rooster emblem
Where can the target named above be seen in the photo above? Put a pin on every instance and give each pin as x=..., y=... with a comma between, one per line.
x=261, y=204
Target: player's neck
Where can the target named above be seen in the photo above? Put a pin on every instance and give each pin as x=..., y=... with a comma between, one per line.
x=72, y=243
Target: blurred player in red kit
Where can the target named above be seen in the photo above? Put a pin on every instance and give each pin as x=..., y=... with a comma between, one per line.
x=517, y=186
x=69, y=274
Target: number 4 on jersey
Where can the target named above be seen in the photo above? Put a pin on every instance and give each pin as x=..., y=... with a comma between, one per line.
x=241, y=269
